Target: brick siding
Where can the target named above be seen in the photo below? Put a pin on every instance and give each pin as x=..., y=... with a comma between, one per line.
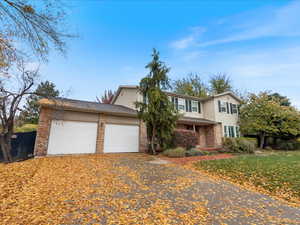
x=43, y=131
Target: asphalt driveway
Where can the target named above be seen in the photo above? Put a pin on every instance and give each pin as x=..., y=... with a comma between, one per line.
x=129, y=189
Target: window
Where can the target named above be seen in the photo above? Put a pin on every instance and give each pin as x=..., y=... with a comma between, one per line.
x=234, y=109
x=225, y=131
x=188, y=104
x=175, y=102
x=223, y=106
x=229, y=131
x=181, y=104
x=195, y=106
x=233, y=132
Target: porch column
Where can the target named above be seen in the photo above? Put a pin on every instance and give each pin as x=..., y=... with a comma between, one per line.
x=202, y=136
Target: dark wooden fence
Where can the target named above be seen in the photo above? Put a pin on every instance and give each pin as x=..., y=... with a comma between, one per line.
x=22, y=146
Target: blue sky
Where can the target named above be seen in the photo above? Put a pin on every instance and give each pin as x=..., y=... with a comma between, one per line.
x=257, y=43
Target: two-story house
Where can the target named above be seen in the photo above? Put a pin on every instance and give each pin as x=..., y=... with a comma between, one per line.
x=70, y=126
x=212, y=117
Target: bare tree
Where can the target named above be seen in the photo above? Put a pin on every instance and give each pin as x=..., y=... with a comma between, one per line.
x=14, y=86
x=107, y=97
x=33, y=26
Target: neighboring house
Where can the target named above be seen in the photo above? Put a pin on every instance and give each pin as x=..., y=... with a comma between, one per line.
x=69, y=126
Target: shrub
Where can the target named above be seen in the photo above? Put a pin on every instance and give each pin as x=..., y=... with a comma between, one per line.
x=194, y=152
x=175, y=152
x=185, y=138
x=288, y=145
x=239, y=145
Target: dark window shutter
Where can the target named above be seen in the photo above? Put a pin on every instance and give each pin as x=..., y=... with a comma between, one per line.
x=219, y=104
x=199, y=107
x=190, y=105
x=231, y=108
x=176, y=103
x=186, y=105
x=227, y=106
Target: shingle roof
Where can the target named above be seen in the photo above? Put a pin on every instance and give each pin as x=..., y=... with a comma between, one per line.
x=86, y=106
x=192, y=120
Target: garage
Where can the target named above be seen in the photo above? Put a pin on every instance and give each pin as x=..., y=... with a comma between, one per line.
x=121, y=138
x=72, y=137
x=68, y=126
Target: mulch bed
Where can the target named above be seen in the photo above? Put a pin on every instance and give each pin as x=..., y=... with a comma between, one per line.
x=186, y=160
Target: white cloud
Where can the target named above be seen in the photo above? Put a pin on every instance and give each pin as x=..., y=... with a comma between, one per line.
x=276, y=69
x=261, y=23
x=253, y=66
x=190, y=40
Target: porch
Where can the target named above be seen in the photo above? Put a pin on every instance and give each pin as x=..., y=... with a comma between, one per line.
x=209, y=132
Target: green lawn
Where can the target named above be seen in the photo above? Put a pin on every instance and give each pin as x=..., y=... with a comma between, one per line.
x=277, y=173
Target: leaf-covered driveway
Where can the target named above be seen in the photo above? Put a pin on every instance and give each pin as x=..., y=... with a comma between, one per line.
x=127, y=189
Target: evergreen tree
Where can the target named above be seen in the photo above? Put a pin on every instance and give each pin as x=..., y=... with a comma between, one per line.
x=30, y=114
x=156, y=110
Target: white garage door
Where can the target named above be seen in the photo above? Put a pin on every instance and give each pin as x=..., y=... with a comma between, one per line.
x=121, y=138
x=70, y=137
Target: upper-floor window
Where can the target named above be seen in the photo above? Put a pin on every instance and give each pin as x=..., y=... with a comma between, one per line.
x=234, y=108
x=227, y=107
x=181, y=104
x=175, y=102
x=186, y=104
x=196, y=106
x=222, y=106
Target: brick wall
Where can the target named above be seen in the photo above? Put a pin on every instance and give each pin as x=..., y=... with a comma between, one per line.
x=218, y=135
x=43, y=131
x=100, y=134
x=210, y=136
x=202, y=136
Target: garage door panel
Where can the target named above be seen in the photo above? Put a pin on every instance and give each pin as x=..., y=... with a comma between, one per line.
x=70, y=137
x=121, y=138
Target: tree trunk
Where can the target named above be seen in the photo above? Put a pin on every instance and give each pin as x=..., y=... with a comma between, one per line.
x=152, y=141
x=5, y=142
x=262, y=140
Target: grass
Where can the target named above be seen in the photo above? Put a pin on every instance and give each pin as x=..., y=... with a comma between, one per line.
x=26, y=128
x=277, y=173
